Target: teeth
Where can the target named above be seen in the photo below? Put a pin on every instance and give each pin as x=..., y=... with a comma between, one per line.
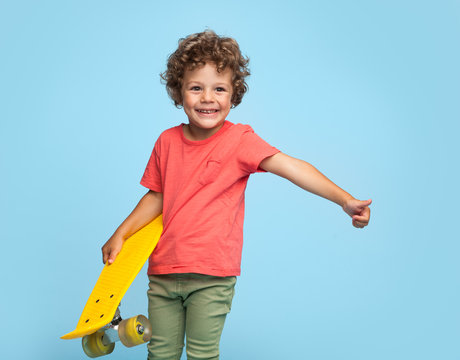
x=207, y=111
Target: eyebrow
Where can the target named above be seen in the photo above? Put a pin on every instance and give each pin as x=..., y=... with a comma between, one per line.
x=188, y=83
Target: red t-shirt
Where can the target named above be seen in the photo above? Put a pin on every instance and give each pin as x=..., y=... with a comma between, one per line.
x=203, y=185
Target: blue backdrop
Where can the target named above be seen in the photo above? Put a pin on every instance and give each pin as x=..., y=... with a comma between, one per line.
x=367, y=91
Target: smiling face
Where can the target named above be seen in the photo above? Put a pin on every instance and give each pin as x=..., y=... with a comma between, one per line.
x=206, y=96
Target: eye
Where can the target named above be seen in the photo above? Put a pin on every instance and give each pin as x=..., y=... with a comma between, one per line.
x=220, y=89
x=195, y=88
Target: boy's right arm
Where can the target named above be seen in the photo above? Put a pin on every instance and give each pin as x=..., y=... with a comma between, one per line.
x=148, y=208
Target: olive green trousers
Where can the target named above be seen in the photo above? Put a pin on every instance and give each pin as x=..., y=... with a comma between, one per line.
x=191, y=307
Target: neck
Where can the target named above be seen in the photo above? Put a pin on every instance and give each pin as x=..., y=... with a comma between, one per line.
x=195, y=133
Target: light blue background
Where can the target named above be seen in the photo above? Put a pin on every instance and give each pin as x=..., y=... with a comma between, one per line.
x=367, y=91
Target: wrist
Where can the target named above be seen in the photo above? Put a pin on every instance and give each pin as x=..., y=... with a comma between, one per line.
x=345, y=199
x=120, y=235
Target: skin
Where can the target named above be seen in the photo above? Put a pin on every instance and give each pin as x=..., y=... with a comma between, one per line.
x=310, y=179
x=205, y=89
x=148, y=208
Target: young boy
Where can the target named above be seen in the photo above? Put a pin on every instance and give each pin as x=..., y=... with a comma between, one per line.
x=196, y=176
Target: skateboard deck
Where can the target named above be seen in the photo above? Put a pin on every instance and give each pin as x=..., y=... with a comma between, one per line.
x=115, y=280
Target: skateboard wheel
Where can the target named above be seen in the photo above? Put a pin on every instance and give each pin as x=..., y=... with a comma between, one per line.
x=93, y=346
x=135, y=331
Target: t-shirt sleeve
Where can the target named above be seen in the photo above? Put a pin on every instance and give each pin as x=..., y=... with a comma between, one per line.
x=152, y=174
x=252, y=150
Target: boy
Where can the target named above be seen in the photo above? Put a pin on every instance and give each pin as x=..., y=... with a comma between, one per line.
x=196, y=177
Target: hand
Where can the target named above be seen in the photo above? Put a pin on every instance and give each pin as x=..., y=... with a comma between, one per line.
x=359, y=211
x=111, y=249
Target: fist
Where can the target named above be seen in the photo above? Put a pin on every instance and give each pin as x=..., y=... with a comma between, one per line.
x=359, y=212
x=111, y=249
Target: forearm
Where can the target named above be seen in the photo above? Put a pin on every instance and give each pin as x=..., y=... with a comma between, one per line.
x=148, y=208
x=305, y=176
x=311, y=179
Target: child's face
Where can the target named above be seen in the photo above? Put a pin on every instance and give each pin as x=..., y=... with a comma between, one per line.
x=206, y=96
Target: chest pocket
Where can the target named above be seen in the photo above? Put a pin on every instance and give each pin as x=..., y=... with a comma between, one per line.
x=210, y=172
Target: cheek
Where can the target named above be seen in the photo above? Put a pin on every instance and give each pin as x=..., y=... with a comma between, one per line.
x=230, y=98
x=229, y=102
x=187, y=102
x=225, y=99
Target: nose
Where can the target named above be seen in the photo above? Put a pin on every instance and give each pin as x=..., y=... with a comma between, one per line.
x=207, y=96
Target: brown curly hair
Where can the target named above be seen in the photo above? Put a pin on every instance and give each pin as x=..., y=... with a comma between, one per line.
x=197, y=49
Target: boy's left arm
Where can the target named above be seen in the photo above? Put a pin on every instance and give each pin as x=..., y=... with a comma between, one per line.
x=309, y=178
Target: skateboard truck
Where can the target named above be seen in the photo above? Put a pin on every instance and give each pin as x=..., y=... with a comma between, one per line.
x=111, y=329
x=131, y=332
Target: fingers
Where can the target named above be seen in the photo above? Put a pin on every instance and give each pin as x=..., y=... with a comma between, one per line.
x=363, y=215
x=106, y=256
x=364, y=203
x=359, y=224
x=109, y=254
x=112, y=257
x=362, y=220
x=357, y=207
x=359, y=211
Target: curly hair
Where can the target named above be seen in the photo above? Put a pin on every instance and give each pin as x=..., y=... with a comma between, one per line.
x=197, y=49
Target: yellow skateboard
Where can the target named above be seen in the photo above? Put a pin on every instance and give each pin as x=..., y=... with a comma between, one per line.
x=100, y=323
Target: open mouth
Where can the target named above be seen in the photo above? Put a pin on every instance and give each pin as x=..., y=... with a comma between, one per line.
x=202, y=111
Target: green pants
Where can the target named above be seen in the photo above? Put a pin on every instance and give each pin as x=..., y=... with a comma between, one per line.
x=188, y=305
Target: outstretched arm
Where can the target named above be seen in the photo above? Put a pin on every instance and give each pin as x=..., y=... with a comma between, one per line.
x=309, y=178
x=148, y=208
